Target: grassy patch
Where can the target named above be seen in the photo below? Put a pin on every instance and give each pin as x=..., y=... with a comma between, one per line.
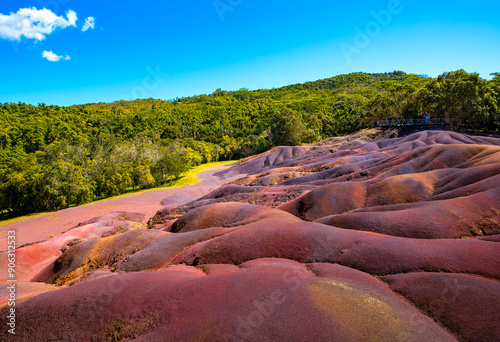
x=15, y=219
x=190, y=178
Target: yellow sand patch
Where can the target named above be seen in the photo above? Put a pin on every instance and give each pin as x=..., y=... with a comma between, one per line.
x=368, y=318
x=91, y=261
x=405, y=188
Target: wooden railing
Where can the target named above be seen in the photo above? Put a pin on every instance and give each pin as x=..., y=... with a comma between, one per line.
x=414, y=122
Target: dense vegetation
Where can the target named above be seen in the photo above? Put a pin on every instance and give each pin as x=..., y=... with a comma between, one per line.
x=52, y=157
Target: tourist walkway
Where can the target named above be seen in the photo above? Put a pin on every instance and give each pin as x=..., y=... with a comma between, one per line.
x=414, y=122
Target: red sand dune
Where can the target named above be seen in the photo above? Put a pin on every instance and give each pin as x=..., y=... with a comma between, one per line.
x=369, y=237
x=466, y=305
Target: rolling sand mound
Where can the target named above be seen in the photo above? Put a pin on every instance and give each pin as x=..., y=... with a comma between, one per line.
x=369, y=237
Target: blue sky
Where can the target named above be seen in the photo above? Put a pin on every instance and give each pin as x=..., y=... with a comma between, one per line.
x=165, y=49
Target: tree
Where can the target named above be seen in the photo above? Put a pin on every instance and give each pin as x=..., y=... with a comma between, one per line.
x=395, y=102
x=175, y=161
x=462, y=95
x=142, y=177
x=344, y=119
x=496, y=80
x=287, y=128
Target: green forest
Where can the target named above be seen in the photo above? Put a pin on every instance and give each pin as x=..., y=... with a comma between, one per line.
x=54, y=157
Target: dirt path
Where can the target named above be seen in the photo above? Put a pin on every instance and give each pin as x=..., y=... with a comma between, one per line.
x=40, y=228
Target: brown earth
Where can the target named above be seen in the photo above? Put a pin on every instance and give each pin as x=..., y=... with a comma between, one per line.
x=369, y=237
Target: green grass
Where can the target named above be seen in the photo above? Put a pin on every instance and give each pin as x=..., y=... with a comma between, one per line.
x=188, y=179
x=15, y=219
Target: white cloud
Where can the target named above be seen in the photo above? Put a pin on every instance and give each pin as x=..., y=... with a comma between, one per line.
x=33, y=23
x=89, y=24
x=49, y=55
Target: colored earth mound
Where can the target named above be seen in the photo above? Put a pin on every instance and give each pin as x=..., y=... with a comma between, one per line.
x=375, y=236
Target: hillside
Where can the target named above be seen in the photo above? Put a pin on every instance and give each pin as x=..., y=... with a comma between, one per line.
x=375, y=236
x=55, y=157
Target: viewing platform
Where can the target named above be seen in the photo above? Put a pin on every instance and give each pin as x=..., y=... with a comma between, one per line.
x=414, y=122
